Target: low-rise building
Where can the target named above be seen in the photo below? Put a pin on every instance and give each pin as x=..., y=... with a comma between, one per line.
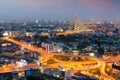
x=52, y=47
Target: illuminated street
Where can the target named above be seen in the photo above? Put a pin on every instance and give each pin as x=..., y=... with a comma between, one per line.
x=13, y=67
x=59, y=40
x=75, y=65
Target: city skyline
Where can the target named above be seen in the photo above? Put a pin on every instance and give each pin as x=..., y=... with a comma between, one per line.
x=59, y=9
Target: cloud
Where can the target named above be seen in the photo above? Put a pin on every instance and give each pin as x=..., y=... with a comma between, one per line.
x=40, y=4
x=85, y=8
x=97, y=5
x=92, y=5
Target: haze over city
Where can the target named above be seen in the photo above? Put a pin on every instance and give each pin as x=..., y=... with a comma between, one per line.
x=59, y=40
x=59, y=9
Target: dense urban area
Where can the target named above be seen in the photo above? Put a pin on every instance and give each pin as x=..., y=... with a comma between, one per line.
x=59, y=50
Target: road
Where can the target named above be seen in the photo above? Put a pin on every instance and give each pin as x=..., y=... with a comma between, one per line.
x=103, y=72
x=111, y=59
x=70, y=32
x=79, y=65
x=46, y=55
x=12, y=67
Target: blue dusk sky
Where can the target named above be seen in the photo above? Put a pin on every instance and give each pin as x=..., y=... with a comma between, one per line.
x=59, y=9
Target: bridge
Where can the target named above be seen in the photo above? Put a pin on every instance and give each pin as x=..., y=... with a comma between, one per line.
x=79, y=27
x=12, y=67
x=101, y=63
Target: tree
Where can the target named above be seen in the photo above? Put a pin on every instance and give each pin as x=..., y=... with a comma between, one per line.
x=82, y=45
x=34, y=78
x=100, y=50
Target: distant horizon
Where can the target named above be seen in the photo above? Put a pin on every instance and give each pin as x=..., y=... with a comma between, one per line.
x=60, y=9
x=59, y=18
x=62, y=19
x=65, y=19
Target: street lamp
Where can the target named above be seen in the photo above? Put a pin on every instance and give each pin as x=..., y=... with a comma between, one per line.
x=91, y=54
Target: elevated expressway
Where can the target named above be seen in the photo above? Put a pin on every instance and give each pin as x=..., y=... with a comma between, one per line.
x=14, y=68
x=101, y=63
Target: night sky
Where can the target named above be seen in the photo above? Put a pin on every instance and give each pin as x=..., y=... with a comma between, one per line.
x=59, y=9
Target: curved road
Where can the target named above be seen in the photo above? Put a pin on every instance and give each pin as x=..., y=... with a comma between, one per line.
x=46, y=55
x=103, y=71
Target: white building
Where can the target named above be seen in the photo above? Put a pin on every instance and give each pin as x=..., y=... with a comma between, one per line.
x=14, y=33
x=52, y=47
